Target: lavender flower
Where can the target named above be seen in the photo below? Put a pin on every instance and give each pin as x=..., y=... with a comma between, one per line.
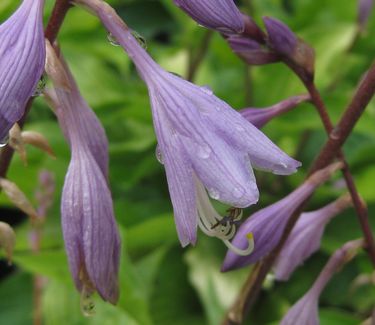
x=306, y=236
x=295, y=52
x=260, y=117
x=305, y=311
x=198, y=136
x=90, y=233
x=267, y=225
x=221, y=15
x=22, y=53
x=251, y=51
x=364, y=12
x=280, y=37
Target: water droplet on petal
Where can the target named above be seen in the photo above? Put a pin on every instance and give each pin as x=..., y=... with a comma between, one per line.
x=283, y=165
x=140, y=39
x=4, y=142
x=218, y=108
x=207, y=90
x=159, y=155
x=214, y=193
x=204, y=151
x=40, y=87
x=238, y=192
x=87, y=303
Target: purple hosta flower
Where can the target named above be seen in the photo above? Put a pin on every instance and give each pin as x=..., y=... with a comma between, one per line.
x=260, y=117
x=305, y=237
x=267, y=225
x=295, y=51
x=22, y=53
x=199, y=136
x=305, y=311
x=221, y=15
x=90, y=233
x=251, y=51
x=280, y=37
x=364, y=11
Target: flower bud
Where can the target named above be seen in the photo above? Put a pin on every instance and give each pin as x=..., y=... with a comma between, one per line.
x=295, y=51
x=22, y=52
x=364, y=12
x=18, y=198
x=267, y=225
x=306, y=236
x=251, y=51
x=221, y=15
x=7, y=240
x=305, y=311
x=259, y=117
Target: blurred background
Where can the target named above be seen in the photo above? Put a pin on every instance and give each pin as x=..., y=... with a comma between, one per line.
x=161, y=283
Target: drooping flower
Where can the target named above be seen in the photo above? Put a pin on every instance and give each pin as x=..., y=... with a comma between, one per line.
x=305, y=310
x=198, y=135
x=260, y=117
x=91, y=238
x=22, y=53
x=267, y=225
x=221, y=15
x=306, y=236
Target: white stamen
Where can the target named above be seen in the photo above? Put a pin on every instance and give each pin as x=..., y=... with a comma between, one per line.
x=214, y=225
x=239, y=251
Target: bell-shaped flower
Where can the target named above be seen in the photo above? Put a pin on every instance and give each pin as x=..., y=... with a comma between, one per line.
x=305, y=310
x=91, y=238
x=267, y=225
x=221, y=15
x=22, y=53
x=198, y=134
x=260, y=117
x=306, y=236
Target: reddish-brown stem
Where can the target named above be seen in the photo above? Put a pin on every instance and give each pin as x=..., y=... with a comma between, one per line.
x=197, y=58
x=55, y=21
x=330, y=151
x=360, y=208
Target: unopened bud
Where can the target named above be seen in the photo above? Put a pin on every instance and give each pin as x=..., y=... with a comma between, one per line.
x=54, y=68
x=251, y=51
x=17, y=197
x=38, y=140
x=7, y=240
x=17, y=143
x=295, y=51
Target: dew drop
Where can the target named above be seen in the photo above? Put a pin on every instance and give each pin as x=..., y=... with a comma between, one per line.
x=214, y=193
x=238, y=192
x=140, y=39
x=112, y=40
x=4, y=142
x=159, y=155
x=218, y=108
x=87, y=303
x=40, y=87
x=283, y=165
x=204, y=151
x=207, y=90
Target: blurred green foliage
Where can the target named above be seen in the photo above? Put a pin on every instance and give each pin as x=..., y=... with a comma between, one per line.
x=161, y=283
